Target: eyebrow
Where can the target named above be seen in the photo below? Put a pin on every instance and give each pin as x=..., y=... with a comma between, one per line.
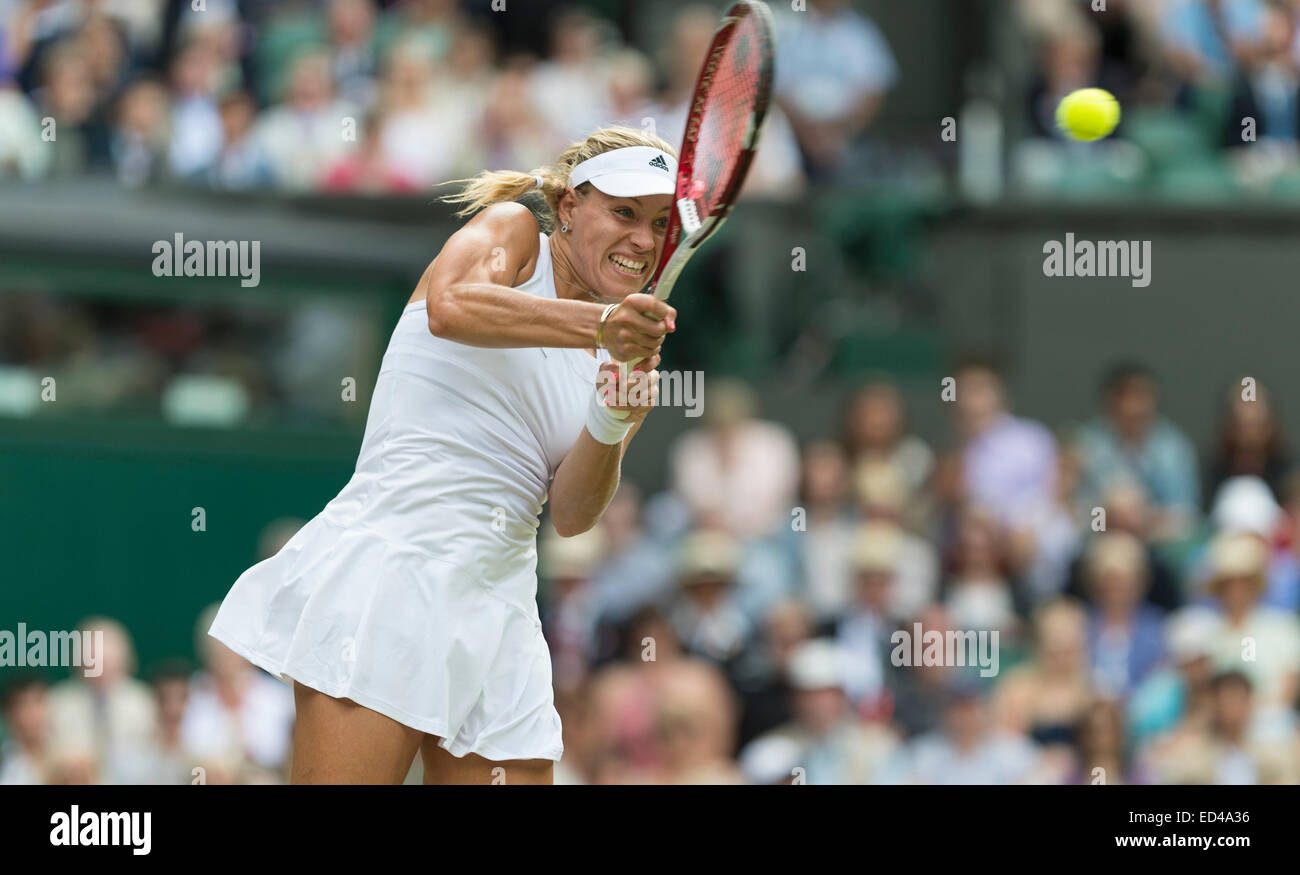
x=667, y=208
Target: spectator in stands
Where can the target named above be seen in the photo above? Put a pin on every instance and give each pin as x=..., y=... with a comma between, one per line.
x=462, y=86
x=695, y=720
x=631, y=80
x=103, y=45
x=570, y=618
x=168, y=760
x=979, y=592
x=1219, y=748
x=1180, y=690
x=142, y=133
x=354, y=50
x=1043, y=561
x=512, y=131
x=1266, y=87
x=1250, y=441
x=367, y=171
x=102, y=722
x=1272, y=660
x=864, y=627
x=1205, y=40
x=1245, y=504
x=1132, y=440
x=571, y=87
x=1102, y=754
x=882, y=494
x=1083, y=45
x=624, y=699
x=969, y=748
x=1126, y=510
x=305, y=133
x=239, y=721
x=196, y=133
x=919, y=693
x=773, y=760
x=704, y=616
x=580, y=752
x=1046, y=698
x=834, y=71
x=638, y=567
x=736, y=472
x=416, y=143
x=240, y=162
x=1069, y=58
x=1008, y=463
x=822, y=543
x=875, y=427
x=435, y=23
x=25, y=756
x=833, y=746
x=764, y=686
x=1125, y=636
x=78, y=141
x=23, y=155
x=39, y=27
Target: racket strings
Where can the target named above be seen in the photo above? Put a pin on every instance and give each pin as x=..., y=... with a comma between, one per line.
x=727, y=116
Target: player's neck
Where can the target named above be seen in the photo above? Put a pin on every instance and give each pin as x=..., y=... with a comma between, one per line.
x=566, y=285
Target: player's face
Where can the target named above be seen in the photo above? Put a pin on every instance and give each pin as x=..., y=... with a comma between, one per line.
x=617, y=241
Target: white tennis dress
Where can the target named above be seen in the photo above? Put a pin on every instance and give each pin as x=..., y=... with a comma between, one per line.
x=413, y=592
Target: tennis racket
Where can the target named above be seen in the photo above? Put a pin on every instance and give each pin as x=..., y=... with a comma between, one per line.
x=723, y=124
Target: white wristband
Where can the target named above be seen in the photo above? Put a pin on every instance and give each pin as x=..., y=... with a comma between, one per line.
x=604, y=424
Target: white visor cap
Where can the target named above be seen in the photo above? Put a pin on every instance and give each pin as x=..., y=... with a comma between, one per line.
x=633, y=171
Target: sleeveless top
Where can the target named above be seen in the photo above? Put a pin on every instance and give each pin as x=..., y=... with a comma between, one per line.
x=461, y=443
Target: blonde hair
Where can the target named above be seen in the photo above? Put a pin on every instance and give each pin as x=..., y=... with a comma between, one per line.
x=496, y=186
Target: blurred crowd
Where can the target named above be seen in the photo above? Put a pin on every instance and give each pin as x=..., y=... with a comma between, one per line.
x=1200, y=81
x=394, y=97
x=217, y=362
x=741, y=626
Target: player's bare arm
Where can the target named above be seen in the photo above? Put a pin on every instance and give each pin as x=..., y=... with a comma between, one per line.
x=588, y=477
x=470, y=299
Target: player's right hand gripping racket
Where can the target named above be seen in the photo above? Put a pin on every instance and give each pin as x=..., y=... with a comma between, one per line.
x=723, y=123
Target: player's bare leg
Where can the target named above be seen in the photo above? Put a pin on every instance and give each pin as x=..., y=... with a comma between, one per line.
x=337, y=741
x=440, y=767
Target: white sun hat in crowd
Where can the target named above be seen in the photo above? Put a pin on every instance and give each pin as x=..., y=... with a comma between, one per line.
x=1246, y=504
x=771, y=759
x=1191, y=633
x=817, y=665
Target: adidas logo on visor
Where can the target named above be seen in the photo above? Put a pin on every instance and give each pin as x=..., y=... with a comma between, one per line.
x=658, y=161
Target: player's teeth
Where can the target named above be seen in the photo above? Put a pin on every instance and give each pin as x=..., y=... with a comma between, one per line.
x=633, y=266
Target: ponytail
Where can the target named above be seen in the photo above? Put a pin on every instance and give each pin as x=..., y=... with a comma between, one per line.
x=496, y=186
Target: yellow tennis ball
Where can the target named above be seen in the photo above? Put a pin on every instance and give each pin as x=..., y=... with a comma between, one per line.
x=1088, y=114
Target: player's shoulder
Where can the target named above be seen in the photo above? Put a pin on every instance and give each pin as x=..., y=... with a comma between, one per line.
x=509, y=221
x=504, y=228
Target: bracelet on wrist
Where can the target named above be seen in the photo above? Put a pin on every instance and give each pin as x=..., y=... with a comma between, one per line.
x=600, y=329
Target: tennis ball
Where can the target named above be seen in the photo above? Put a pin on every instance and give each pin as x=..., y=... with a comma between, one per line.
x=1088, y=114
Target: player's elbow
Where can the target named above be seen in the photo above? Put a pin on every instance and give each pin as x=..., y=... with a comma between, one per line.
x=440, y=314
x=569, y=526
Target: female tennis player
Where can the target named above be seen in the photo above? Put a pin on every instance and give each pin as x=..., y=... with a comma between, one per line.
x=405, y=613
